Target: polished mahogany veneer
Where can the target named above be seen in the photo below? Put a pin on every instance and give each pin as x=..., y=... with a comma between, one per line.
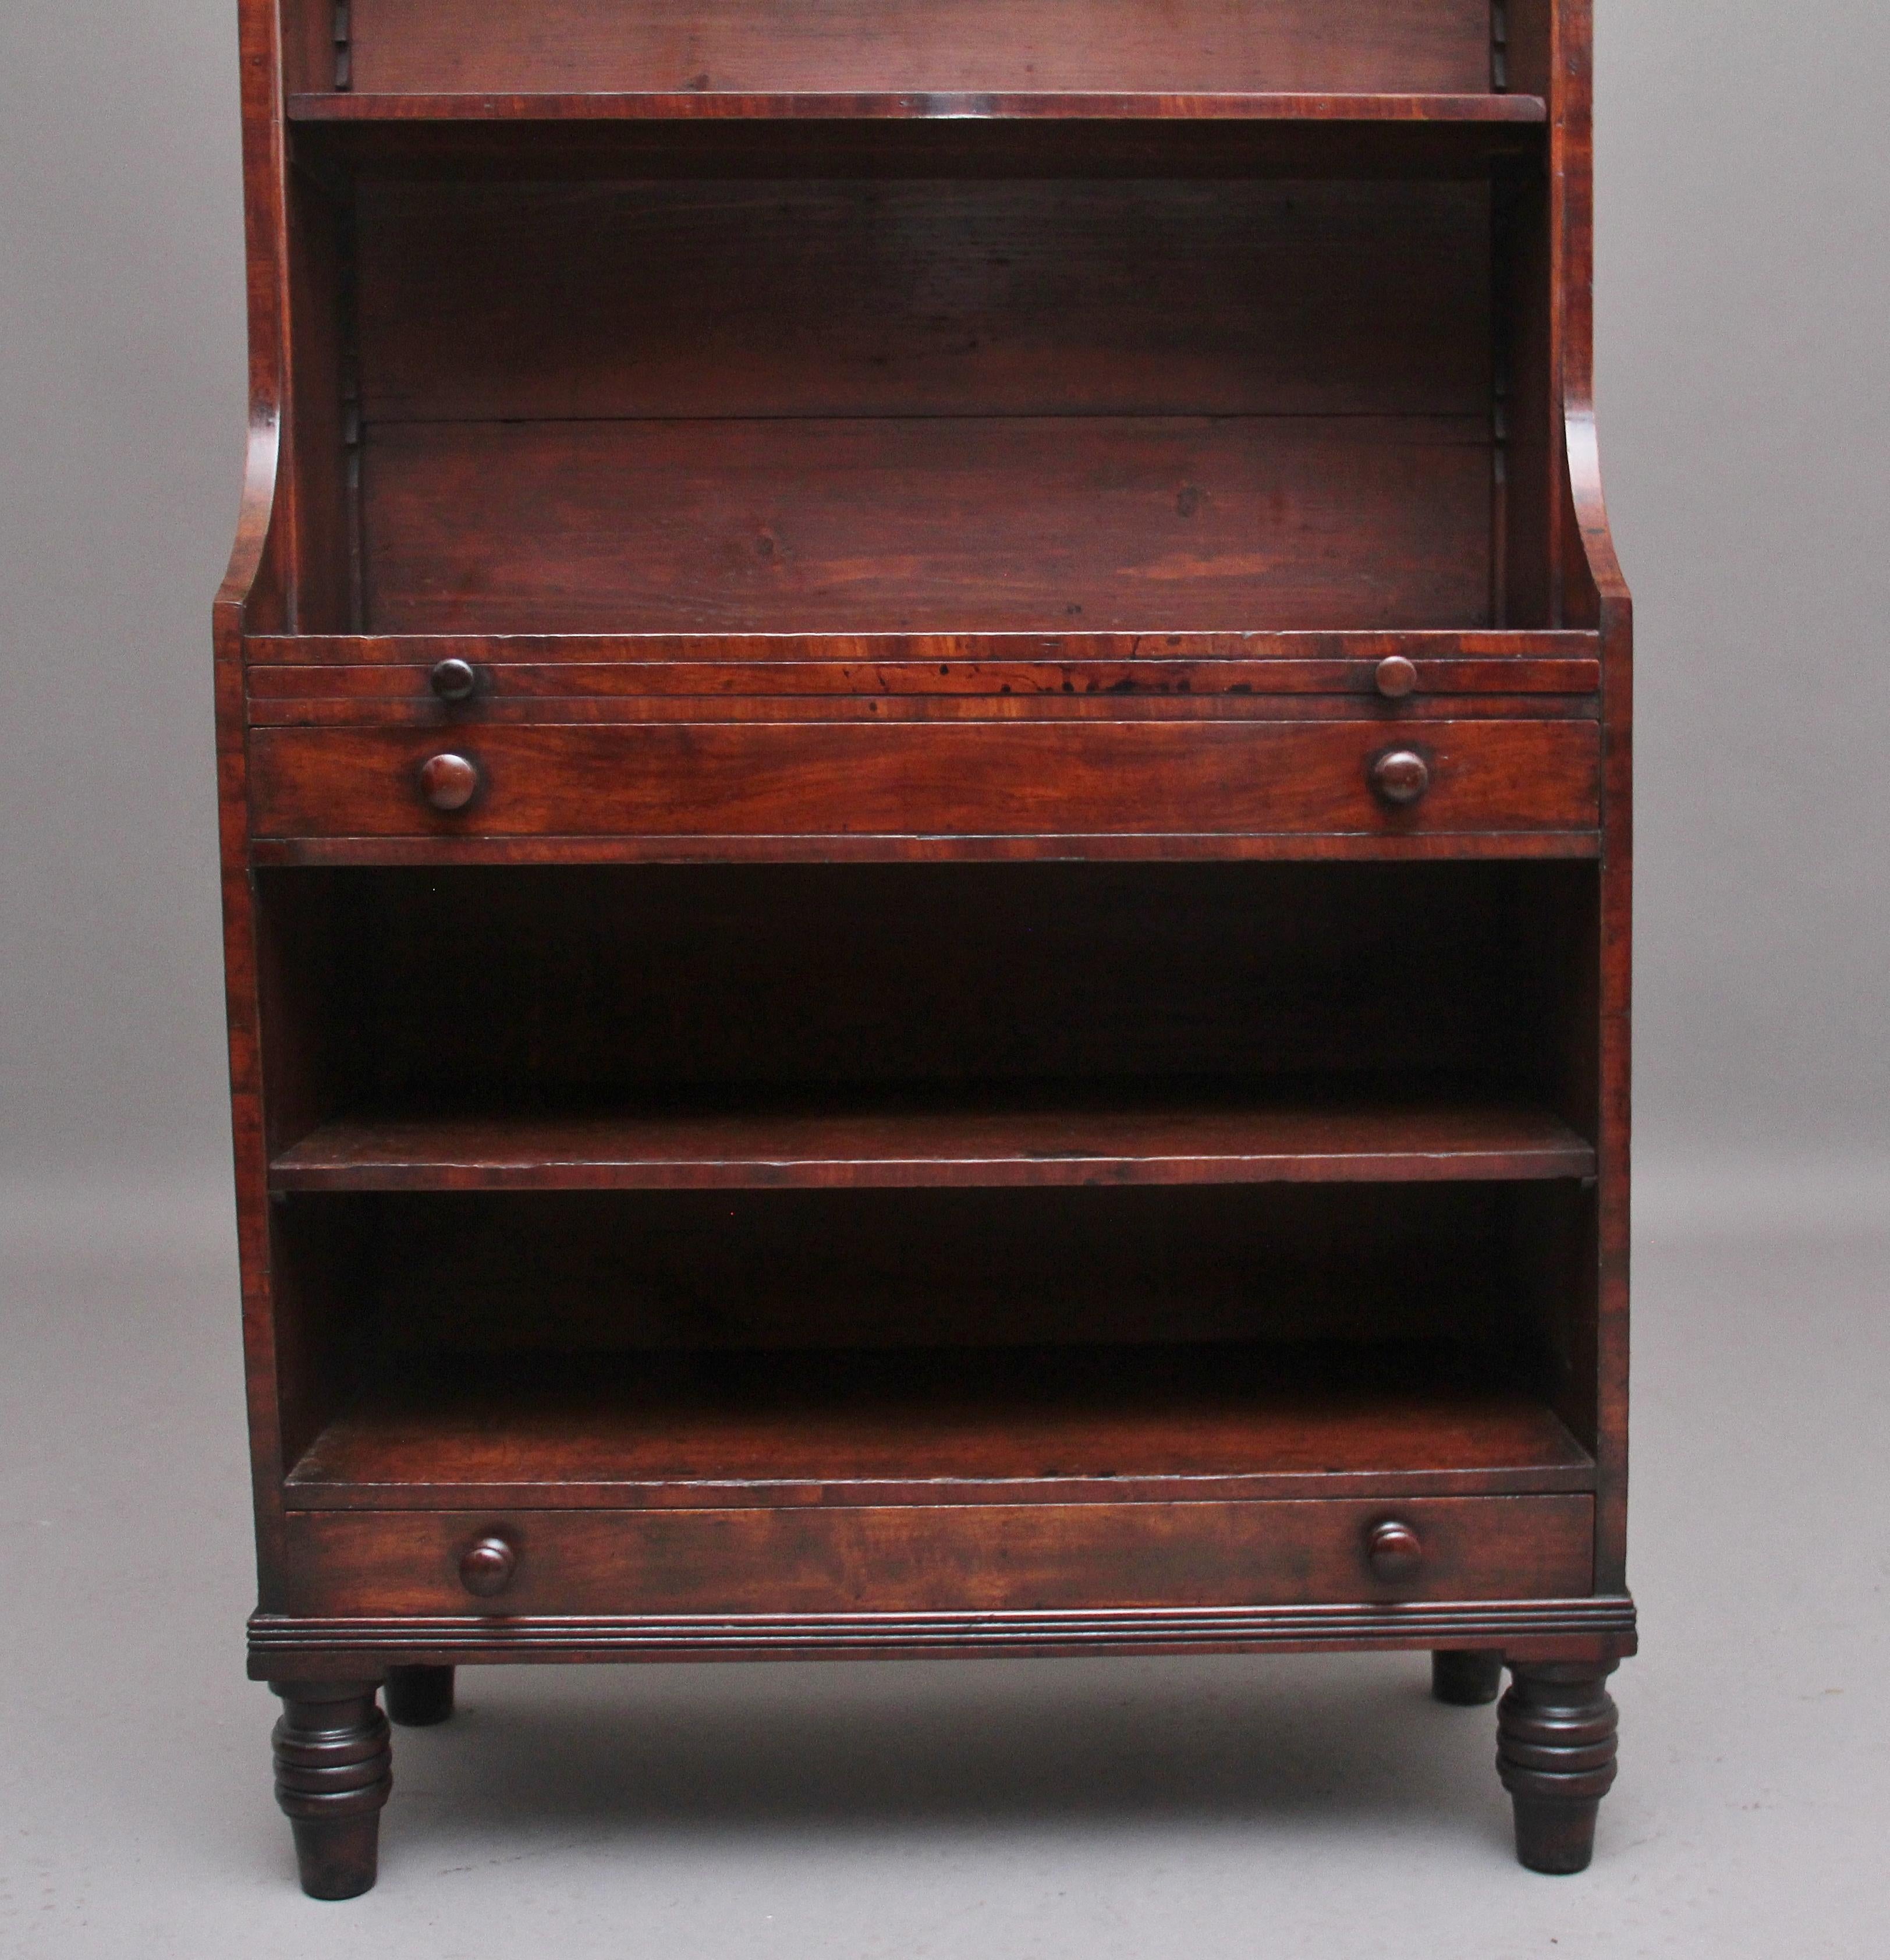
x=925, y=729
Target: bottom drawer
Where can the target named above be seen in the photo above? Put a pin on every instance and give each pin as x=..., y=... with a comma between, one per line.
x=958, y=1558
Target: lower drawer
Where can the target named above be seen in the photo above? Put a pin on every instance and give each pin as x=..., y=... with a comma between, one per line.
x=994, y=1558
x=1020, y=778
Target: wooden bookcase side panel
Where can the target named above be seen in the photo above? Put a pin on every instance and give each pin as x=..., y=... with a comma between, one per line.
x=1615, y=616
x=325, y=413
x=1589, y=592
x=257, y=594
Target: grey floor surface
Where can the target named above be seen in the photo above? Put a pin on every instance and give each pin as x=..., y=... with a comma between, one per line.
x=1320, y=1806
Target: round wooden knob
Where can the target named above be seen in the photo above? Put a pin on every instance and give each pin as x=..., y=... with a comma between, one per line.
x=449, y=782
x=1396, y=677
x=454, y=680
x=1395, y=1551
x=1401, y=775
x=486, y=1568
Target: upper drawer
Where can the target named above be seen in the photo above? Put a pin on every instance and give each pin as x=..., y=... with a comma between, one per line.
x=852, y=779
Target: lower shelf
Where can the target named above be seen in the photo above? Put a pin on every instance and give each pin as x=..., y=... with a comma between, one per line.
x=944, y=1425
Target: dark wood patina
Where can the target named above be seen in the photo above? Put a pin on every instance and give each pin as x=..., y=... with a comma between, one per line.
x=925, y=714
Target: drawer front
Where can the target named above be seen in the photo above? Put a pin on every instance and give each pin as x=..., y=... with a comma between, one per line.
x=968, y=1558
x=843, y=779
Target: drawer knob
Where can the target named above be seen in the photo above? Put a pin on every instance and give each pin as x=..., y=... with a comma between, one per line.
x=454, y=680
x=1396, y=677
x=449, y=782
x=1395, y=1551
x=486, y=1568
x=1401, y=775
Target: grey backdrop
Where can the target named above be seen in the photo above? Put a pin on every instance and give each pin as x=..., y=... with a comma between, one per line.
x=1744, y=287
x=1744, y=395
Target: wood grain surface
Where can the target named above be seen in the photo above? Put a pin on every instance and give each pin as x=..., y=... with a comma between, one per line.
x=942, y=1558
x=1145, y=1140
x=953, y=524
x=932, y=1426
x=635, y=689
x=950, y=779
x=922, y=46
x=519, y=302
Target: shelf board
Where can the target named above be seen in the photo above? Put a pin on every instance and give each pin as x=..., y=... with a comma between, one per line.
x=910, y=105
x=938, y=1425
x=1138, y=1137
x=1089, y=134
x=1158, y=646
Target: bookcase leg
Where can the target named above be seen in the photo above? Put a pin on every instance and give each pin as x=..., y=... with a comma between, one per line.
x=1465, y=1680
x=333, y=1770
x=1555, y=1752
x=416, y=1697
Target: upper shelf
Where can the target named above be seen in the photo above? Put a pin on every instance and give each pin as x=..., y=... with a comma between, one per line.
x=923, y=86
x=907, y=106
x=921, y=134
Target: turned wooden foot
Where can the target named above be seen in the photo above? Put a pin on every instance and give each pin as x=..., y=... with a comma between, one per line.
x=1465, y=1680
x=1555, y=1751
x=416, y=1697
x=333, y=1770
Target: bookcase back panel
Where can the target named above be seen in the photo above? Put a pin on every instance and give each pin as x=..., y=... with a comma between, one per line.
x=891, y=46
x=823, y=406
x=537, y=301
x=927, y=524
x=595, y=980
x=576, y=1272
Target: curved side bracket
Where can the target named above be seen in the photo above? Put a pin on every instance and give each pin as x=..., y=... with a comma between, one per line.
x=254, y=581
x=1595, y=591
x=251, y=576
x=1597, y=588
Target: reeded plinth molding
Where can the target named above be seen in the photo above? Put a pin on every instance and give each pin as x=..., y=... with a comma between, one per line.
x=1590, y=1627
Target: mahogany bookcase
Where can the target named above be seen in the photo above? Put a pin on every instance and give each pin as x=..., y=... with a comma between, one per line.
x=924, y=715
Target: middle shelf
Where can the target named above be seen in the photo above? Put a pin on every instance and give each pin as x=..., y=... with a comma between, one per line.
x=730, y=1026
x=1134, y=1134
